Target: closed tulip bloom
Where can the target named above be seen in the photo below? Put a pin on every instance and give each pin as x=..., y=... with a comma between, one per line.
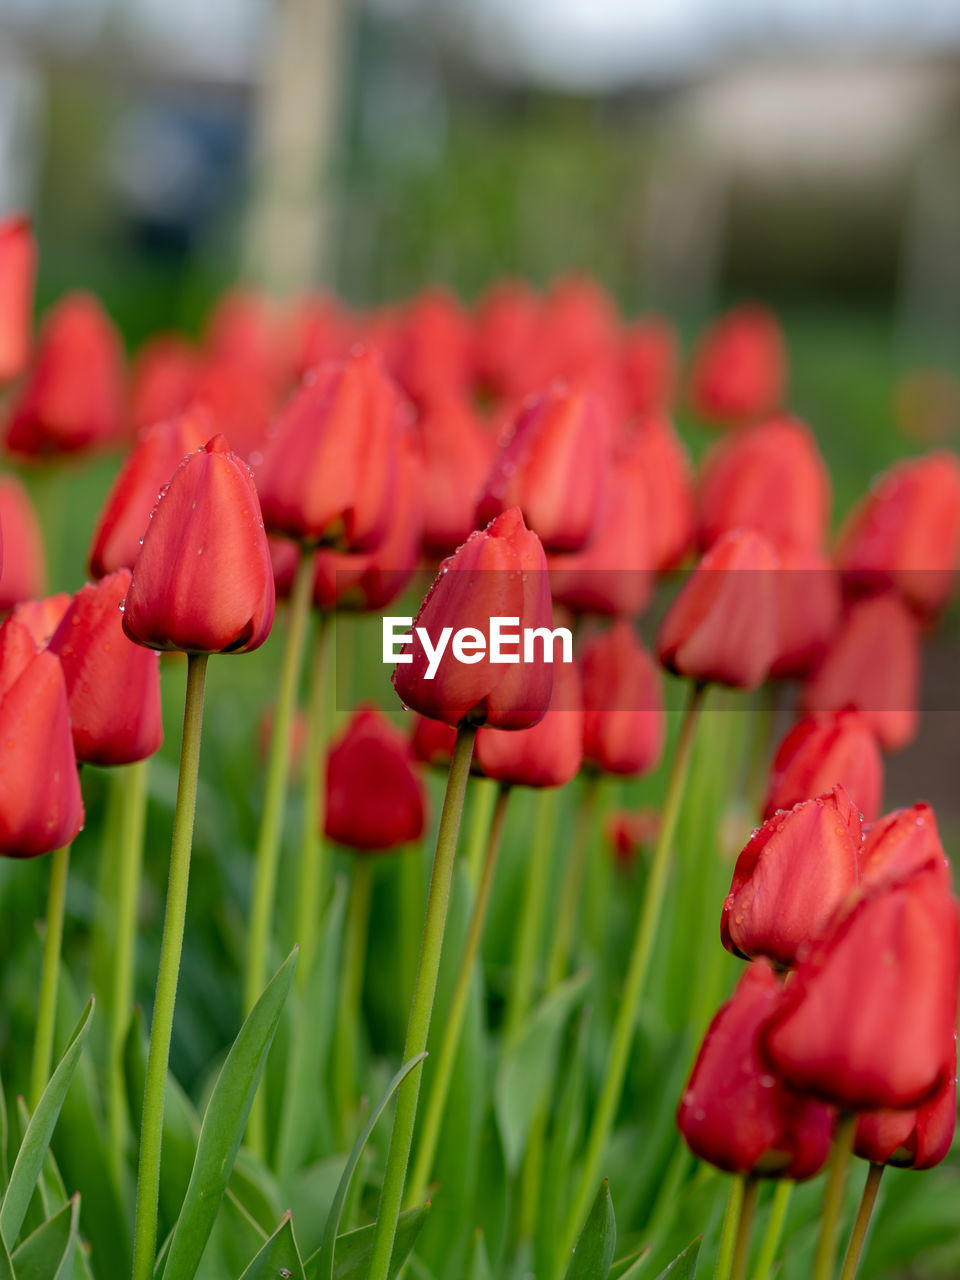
x=318, y=329
x=868, y=1018
x=770, y=477
x=671, y=493
x=912, y=1139
x=733, y=1113
x=23, y=574
x=328, y=473
x=244, y=328
x=723, y=627
x=810, y=608
x=432, y=742
x=629, y=832
x=553, y=464
x=151, y=462
x=113, y=685
x=649, y=361
x=905, y=534
x=505, y=326
x=433, y=355
x=623, y=721
x=873, y=665
x=740, y=367
x=791, y=876
x=241, y=399
x=457, y=454
x=18, y=267
x=821, y=751
x=40, y=804
x=203, y=581
x=902, y=842
x=375, y=798
x=41, y=617
x=73, y=396
x=547, y=755
x=501, y=572
x=163, y=377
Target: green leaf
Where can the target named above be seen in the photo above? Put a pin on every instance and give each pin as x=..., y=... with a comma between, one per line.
x=684, y=1265
x=6, y=1266
x=325, y=1253
x=593, y=1254
x=28, y=1165
x=564, y=1136
x=48, y=1254
x=278, y=1257
x=355, y=1248
x=223, y=1126
x=527, y=1067
x=629, y=1267
x=478, y=1267
x=4, y=1133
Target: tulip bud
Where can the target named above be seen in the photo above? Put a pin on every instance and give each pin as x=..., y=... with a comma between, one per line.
x=318, y=329
x=733, y=1113
x=241, y=399
x=42, y=617
x=23, y=573
x=375, y=798
x=113, y=685
x=457, y=456
x=623, y=721
x=244, y=329
x=72, y=397
x=203, y=581
x=724, y=626
x=432, y=355
x=792, y=875
x=329, y=468
x=547, y=755
x=432, y=742
x=905, y=534
x=671, y=496
x=40, y=804
x=553, y=464
x=498, y=572
x=18, y=268
x=505, y=327
x=872, y=664
x=912, y=1139
x=740, y=367
x=628, y=833
x=649, y=360
x=810, y=608
x=838, y=747
x=162, y=379
x=151, y=462
x=901, y=843
x=867, y=1020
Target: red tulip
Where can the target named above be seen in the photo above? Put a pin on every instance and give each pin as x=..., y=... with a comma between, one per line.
x=241, y=399
x=810, y=608
x=792, y=875
x=872, y=664
x=432, y=356
x=203, y=581
x=125, y=514
x=505, y=326
x=432, y=742
x=375, y=799
x=671, y=496
x=905, y=533
x=629, y=832
x=553, y=464
x=740, y=367
x=498, y=572
x=284, y=557
x=901, y=843
x=868, y=1018
x=244, y=329
x=724, y=624
x=163, y=379
x=733, y=1113
x=547, y=755
x=18, y=267
x=838, y=747
x=623, y=723
x=912, y=1139
x=328, y=473
x=23, y=573
x=318, y=329
x=457, y=456
x=42, y=617
x=40, y=804
x=649, y=359
x=73, y=395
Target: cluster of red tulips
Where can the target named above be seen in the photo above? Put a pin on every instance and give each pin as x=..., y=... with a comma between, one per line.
x=324, y=456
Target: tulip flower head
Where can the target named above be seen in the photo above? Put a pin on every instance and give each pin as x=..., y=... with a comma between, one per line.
x=457, y=453
x=547, y=755
x=624, y=722
x=912, y=1139
x=901, y=843
x=821, y=751
x=18, y=267
x=163, y=377
x=375, y=798
x=42, y=617
x=740, y=367
x=670, y=490
x=23, y=558
x=649, y=364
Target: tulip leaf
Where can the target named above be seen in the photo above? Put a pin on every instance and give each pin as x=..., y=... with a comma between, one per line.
x=629, y=1267
x=565, y=1125
x=223, y=1126
x=278, y=1257
x=355, y=1248
x=48, y=1254
x=4, y=1136
x=325, y=1254
x=28, y=1165
x=6, y=1265
x=528, y=1066
x=593, y=1254
x=684, y=1265
x=478, y=1266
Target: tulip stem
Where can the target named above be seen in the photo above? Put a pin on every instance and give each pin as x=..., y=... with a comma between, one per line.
x=313, y=852
x=824, y=1258
x=859, y=1234
x=728, y=1232
x=741, y=1248
x=50, y=978
x=637, y=968
x=771, y=1238
x=529, y=932
x=421, y=1010
x=128, y=864
x=483, y=797
x=446, y=1058
x=349, y=997
x=571, y=892
x=171, y=946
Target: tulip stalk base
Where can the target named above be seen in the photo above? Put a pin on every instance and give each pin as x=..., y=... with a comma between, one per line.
x=824, y=1258
x=728, y=1232
x=171, y=947
x=312, y=873
x=569, y=906
x=741, y=1246
x=771, y=1238
x=530, y=927
x=349, y=998
x=418, y=1027
x=859, y=1234
x=50, y=979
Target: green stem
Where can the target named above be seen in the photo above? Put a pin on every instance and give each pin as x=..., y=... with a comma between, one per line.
x=771, y=1239
x=741, y=1248
x=639, y=963
x=568, y=909
x=50, y=979
x=728, y=1233
x=824, y=1258
x=129, y=864
x=529, y=932
x=171, y=946
x=483, y=797
x=312, y=874
x=410, y=889
x=447, y=1056
x=859, y=1234
x=349, y=996
x=391, y=1195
